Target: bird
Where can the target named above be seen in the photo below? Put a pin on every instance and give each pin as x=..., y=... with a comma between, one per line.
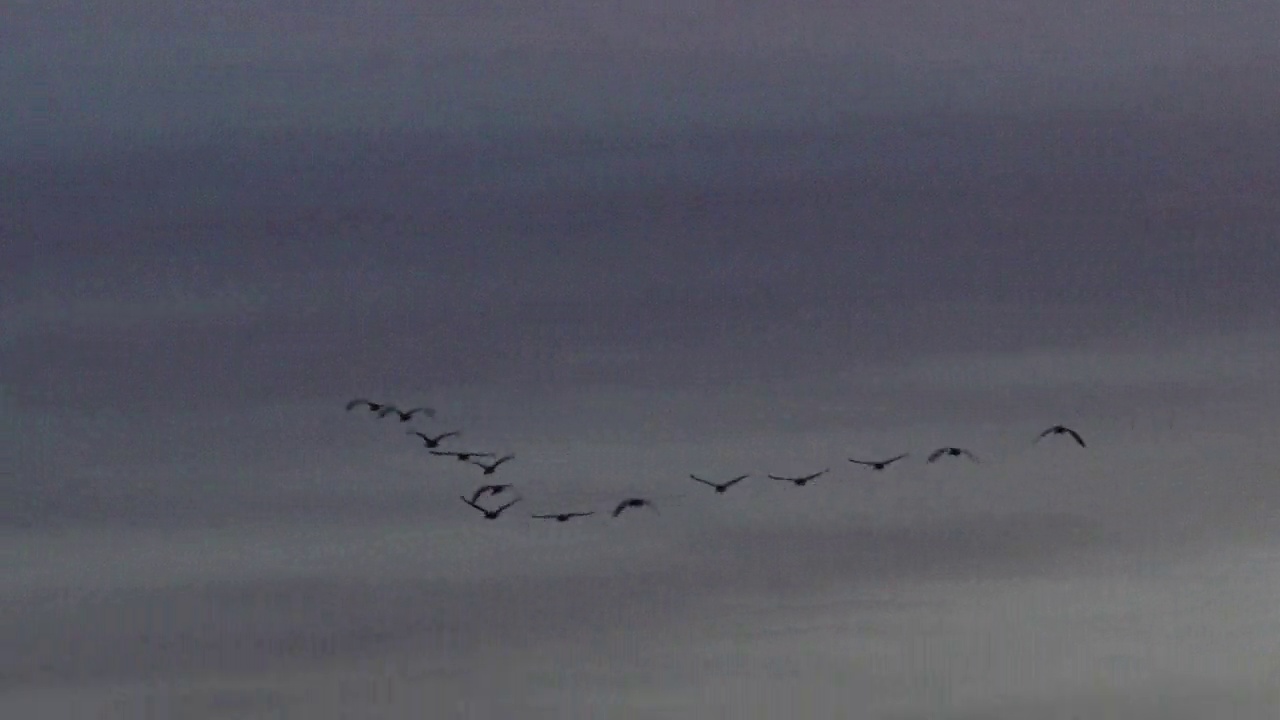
x=801, y=481
x=373, y=406
x=634, y=503
x=488, y=469
x=879, y=464
x=953, y=452
x=461, y=456
x=1062, y=430
x=434, y=442
x=406, y=415
x=489, y=514
x=720, y=487
x=563, y=517
x=489, y=489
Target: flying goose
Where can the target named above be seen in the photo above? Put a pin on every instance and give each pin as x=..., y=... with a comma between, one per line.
x=879, y=464
x=489, y=514
x=801, y=481
x=405, y=415
x=434, y=442
x=1062, y=430
x=461, y=456
x=720, y=487
x=634, y=503
x=563, y=517
x=952, y=452
x=488, y=469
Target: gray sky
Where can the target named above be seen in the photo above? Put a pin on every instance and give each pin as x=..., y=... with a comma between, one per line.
x=629, y=241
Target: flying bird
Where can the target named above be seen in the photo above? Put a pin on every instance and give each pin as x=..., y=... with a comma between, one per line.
x=801, y=481
x=489, y=514
x=952, y=452
x=461, y=456
x=563, y=517
x=720, y=487
x=406, y=415
x=489, y=490
x=1062, y=430
x=434, y=442
x=634, y=503
x=488, y=469
x=879, y=464
x=373, y=406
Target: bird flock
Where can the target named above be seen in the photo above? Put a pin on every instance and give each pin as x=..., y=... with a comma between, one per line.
x=493, y=490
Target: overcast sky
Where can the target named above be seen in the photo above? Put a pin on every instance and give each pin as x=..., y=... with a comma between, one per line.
x=627, y=242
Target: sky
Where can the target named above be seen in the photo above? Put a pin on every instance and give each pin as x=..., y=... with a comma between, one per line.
x=627, y=242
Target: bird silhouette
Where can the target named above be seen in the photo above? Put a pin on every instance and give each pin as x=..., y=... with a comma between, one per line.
x=461, y=456
x=634, y=503
x=951, y=452
x=405, y=415
x=434, y=442
x=801, y=481
x=489, y=490
x=879, y=464
x=1062, y=430
x=488, y=469
x=720, y=487
x=563, y=517
x=489, y=514
x=373, y=406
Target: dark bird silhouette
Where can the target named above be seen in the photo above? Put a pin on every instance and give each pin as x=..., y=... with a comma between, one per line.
x=563, y=517
x=405, y=415
x=1062, y=430
x=801, y=481
x=634, y=503
x=489, y=514
x=488, y=469
x=489, y=490
x=879, y=464
x=434, y=442
x=720, y=487
x=952, y=452
x=461, y=456
x=373, y=406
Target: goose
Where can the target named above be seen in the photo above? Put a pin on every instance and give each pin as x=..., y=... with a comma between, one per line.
x=489, y=489
x=489, y=514
x=952, y=452
x=634, y=503
x=406, y=415
x=879, y=464
x=720, y=487
x=1062, y=430
x=801, y=481
x=373, y=406
x=461, y=456
x=562, y=517
x=488, y=469
x=434, y=442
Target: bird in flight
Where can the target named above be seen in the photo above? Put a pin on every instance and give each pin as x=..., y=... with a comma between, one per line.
x=952, y=452
x=488, y=469
x=461, y=456
x=434, y=442
x=563, y=517
x=879, y=464
x=801, y=481
x=405, y=415
x=489, y=490
x=1062, y=430
x=634, y=503
x=373, y=406
x=489, y=514
x=720, y=487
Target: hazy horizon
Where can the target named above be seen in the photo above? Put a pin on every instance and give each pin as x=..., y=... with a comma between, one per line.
x=629, y=242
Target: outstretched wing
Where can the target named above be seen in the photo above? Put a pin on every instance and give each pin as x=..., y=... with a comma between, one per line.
x=438, y=438
x=1076, y=436
x=361, y=401
x=896, y=458
x=544, y=517
x=863, y=462
x=704, y=482
x=736, y=480
x=582, y=514
x=504, y=507
x=443, y=453
x=387, y=410
x=933, y=456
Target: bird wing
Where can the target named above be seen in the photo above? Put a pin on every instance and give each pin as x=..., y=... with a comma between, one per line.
x=438, y=438
x=582, y=514
x=543, y=517
x=933, y=456
x=388, y=410
x=358, y=401
x=861, y=462
x=971, y=455
x=424, y=410
x=464, y=499
x=704, y=482
x=896, y=458
x=443, y=453
x=736, y=480
x=784, y=479
x=1077, y=437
